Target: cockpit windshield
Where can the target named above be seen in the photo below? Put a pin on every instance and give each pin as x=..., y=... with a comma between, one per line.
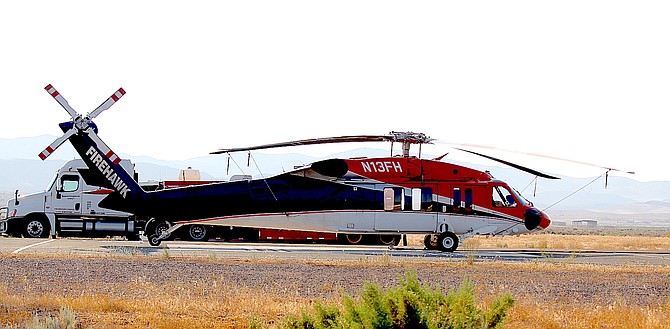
x=504, y=197
x=521, y=198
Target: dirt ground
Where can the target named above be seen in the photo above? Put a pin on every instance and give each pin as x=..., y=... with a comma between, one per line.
x=119, y=276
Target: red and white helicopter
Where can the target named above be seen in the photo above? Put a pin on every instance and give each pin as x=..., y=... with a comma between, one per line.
x=403, y=194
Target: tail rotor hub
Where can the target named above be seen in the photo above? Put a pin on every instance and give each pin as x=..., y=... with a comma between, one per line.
x=79, y=123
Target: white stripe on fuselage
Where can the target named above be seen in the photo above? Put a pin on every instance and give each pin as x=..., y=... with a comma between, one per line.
x=360, y=221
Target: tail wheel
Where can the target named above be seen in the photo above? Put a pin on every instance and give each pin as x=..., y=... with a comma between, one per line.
x=154, y=241
x=37, y=228
x=154, y=230
x=354, y=238
x=447, y=241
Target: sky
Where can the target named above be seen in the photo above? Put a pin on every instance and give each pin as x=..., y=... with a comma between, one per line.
x=584, y=80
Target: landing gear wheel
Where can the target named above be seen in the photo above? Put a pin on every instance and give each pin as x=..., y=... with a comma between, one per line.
x=37, y=228
x=154, y=241
x=429, y=243
x=447, y=241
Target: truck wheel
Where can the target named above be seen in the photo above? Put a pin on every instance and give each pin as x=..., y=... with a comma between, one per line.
x=197, y=232
x=160, y=228
x=37, y=228
x=447, y=241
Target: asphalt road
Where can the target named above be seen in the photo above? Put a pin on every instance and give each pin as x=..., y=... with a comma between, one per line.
x=91, y=247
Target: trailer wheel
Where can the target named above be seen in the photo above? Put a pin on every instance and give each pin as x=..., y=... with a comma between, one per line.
x=389, y=239
x=197, y=232
x=447, y=241
x=353, y=238
x=37, y=228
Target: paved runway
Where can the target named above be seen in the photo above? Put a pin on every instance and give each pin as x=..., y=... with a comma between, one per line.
x=89, y=247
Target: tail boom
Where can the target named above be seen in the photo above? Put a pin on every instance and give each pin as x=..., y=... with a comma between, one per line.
x=105, y=166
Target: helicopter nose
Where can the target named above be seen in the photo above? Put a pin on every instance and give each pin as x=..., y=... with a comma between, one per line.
x=545, y=221
x=534, y=218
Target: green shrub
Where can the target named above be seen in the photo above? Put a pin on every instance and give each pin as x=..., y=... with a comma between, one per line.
x=65, y=320
x=411, y=305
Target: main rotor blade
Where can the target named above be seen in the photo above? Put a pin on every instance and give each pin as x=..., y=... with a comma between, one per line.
x=108, y=103
x=61, y=100
x=58, y=142
x=545, y=156
x=513, y=165
x=326, y=140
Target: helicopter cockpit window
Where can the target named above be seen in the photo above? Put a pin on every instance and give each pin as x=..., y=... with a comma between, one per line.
x=503, y=198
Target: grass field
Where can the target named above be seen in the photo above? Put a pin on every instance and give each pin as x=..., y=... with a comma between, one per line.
x=571, y=240
x=220, y=304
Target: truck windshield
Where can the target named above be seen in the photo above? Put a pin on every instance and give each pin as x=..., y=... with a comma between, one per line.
x=51, y=182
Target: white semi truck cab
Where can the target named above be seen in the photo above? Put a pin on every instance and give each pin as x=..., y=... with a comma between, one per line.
x=68, y=207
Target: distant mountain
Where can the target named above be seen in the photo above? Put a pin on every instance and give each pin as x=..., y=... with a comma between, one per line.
x=20, y=169
x=30, y=147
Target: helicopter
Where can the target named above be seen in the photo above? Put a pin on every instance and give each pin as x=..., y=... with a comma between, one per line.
x=396, y=194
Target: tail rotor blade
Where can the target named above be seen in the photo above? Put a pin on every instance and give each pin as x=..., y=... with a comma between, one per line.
x=106, y=151
x=61, y=100
x=58, y=142
x=108, y=103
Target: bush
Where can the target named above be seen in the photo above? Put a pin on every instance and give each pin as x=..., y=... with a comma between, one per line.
x=65, y=320
x=411, y=305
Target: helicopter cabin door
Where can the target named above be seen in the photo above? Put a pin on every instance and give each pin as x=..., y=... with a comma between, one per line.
x=407, y=210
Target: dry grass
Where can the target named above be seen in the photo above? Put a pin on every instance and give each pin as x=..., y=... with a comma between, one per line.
x=177, y=306
x=235, y=307
x=530, y=313
x=556, y=241
x=218, y=304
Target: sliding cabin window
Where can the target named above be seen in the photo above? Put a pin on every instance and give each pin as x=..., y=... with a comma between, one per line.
x=416, y=199
x=468, y=198
x=463, y=199
x=457, y=197
x=422, y=198
x=393, y=199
